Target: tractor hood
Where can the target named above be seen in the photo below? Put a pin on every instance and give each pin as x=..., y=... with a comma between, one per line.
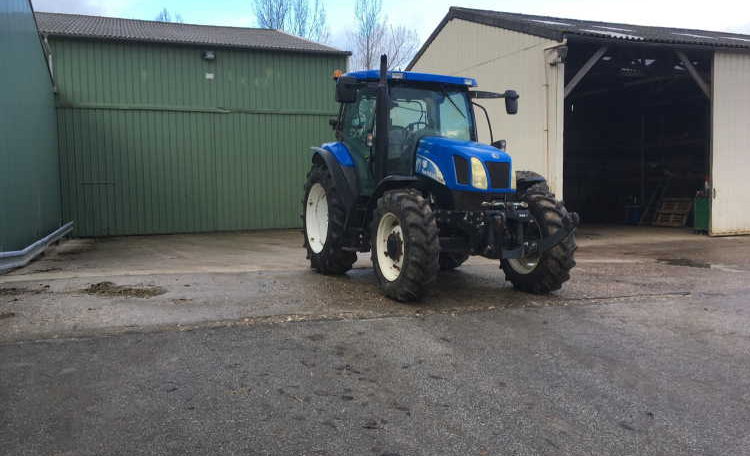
x=467, y=149
x=453, y=158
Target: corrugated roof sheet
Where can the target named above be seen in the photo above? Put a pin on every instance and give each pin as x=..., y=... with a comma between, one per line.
x=556, y=28
x=559, y=28
x=118, y=29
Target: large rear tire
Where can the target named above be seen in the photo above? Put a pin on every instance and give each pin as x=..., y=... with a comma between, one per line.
x=405, y=245
x=541, y=274
x=323, y=216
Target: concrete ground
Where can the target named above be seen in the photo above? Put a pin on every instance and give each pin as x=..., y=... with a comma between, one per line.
x=229, y=344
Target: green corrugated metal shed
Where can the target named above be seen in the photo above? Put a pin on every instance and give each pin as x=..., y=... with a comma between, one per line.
x=29, y=176
x=156, y=139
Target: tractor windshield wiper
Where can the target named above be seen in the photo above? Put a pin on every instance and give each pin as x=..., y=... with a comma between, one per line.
x=445, y=93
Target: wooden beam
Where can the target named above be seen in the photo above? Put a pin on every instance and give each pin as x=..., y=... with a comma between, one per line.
x=694, y=73
x=585, y=69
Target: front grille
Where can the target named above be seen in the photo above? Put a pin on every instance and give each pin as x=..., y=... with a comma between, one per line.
x=462, y=169
x=499, y=174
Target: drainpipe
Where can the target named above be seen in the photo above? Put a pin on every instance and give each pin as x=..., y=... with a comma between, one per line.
x=50, y=66
x=19, y=258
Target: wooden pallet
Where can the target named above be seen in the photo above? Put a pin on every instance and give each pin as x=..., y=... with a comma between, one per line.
x=673, y=212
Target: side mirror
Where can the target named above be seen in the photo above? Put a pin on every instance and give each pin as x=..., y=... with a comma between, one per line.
x=333, y=122
x=346, y=90
x=499, y=144
x=511, y=101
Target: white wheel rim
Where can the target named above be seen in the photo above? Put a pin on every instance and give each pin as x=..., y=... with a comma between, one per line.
x=316, y=218
x=389, y=228
x=524, y=265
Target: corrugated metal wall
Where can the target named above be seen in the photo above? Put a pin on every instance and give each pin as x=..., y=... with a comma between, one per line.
x=154, y=139
x=29, y=178
x=730, y=151
x=502, y=59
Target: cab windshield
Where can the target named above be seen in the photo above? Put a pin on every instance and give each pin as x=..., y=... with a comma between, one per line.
x=417, y=112
x=435, y=111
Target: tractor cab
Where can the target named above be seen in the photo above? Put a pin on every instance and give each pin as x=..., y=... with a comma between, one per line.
x=428, y=119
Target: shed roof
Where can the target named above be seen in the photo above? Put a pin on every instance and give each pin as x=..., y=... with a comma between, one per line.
x=118, y=29
x=556, y=28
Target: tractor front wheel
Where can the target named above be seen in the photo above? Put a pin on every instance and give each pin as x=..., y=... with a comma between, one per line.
x=545, y=272
x=405, y=244
x=323, y=216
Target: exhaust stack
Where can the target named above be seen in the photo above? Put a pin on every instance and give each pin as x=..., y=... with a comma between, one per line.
x=382, y=112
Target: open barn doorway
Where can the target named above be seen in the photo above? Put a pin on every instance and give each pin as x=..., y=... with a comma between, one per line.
x=637, y=133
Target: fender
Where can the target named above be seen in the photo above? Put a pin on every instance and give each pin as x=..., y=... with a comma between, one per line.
x=392, y=183
x=341, y=152
x=344, y=177
x=523, y=183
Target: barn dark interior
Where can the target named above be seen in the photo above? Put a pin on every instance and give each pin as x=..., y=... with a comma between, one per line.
x=637, y=131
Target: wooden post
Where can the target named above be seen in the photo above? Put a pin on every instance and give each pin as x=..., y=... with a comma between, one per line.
x=694, y=73
x=585, y=69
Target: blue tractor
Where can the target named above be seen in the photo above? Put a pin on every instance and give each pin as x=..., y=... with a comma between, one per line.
x=407, y=180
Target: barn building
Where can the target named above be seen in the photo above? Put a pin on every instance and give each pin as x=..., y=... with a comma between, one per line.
x=620, y=118
x=174, y=128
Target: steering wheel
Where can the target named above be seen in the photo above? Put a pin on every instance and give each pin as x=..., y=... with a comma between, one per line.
x=412, y=126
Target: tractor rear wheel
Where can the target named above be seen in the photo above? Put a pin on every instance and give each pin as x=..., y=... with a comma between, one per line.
x=545, y=272
x=449, y=261
x=405, y=244
x=323, y=216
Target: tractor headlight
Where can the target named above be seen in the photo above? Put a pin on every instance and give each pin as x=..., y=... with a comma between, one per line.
x=428, y=168
x=478, y=174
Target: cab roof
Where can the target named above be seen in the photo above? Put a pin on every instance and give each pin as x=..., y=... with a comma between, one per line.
x=413, y=76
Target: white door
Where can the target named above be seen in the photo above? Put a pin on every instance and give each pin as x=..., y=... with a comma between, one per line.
x=730, y=163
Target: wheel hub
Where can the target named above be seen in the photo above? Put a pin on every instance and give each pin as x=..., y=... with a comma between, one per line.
x=394, y=246
x=389, y=246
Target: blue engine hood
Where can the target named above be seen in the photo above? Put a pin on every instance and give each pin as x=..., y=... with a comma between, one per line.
x=441, y=150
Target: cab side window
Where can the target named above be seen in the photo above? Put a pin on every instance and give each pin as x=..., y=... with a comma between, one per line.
x=358, y=119
x=358, y=123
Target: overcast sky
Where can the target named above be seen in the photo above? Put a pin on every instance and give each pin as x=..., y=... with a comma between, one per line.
x=424, y=15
